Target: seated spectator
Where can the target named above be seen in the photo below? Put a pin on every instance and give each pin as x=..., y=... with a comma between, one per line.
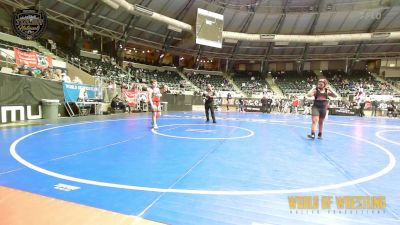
x=37, y=72
x=77, y=80
x=15, y=69
x=383, y=107
x=57, y=75
x=46, y=74
x=391, y=109
x=65, y=77
x=25, y=70
x=118, y=103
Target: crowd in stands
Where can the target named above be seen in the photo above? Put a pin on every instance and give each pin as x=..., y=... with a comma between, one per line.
x=346, y=84
x=104, y=66
x=395, y=81
x=217, y=81
x=50, y=73
x=10, y=46
x=292, y=83
x=176, y=84
x=251, y=83
x=107, y=68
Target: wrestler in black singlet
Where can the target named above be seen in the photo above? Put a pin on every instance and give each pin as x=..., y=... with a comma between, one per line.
x=320, y=104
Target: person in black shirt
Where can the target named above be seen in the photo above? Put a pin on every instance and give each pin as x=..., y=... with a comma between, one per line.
x=374, y=107
x=25, y=70
x=228, y=100
x=269, y=105
x=209, y=96
x=391, y=109
x=264, y=104
x=118, y=103
x=318, y=111
x=241, y=104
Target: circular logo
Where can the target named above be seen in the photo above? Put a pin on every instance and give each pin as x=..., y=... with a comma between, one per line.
x=29, y=23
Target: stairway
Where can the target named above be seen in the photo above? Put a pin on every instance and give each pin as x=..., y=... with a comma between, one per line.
x=73, y=70
x=188, y=81
x=277, y=91
x=230, y=80
x=378, y=78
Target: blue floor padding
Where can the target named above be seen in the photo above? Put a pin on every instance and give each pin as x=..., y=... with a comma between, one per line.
x=242, y=153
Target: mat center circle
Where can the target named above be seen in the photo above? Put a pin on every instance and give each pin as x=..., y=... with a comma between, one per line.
x=203, y=131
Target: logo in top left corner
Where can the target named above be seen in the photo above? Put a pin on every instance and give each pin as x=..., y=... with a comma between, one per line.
x=29, y=23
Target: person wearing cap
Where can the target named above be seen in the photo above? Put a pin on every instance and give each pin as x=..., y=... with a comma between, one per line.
x=319, y=108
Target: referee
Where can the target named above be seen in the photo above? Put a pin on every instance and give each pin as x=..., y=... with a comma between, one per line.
x=209, y=96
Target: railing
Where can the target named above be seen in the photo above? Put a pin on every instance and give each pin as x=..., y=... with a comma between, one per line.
x=12, y=47
x=10, y=61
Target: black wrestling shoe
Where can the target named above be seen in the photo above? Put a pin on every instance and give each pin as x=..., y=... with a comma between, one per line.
x=207, y=121
x=214, y=121
x=311, y=136
x=320, y=136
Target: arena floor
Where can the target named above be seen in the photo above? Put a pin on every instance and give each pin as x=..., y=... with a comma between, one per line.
x=241, y=170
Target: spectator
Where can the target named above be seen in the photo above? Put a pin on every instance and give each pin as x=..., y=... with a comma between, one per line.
x=241, y=104
x=15, y=69
x=374, y=106
x=264, y=104
x=46, y=74
x=77, y=80
x=118, y=103
x=57, y=75
x=65, y=77
x=25, y=70
x=360, y=98
x=111, y=89
x=383, y=107
x=391, y=109
x=295, y=104
x=228, y=100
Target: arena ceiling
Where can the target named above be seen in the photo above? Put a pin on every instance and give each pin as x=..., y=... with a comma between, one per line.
x=248, y=16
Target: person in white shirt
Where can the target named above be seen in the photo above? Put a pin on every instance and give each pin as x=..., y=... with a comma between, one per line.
x=111, y=87
x=383, y=107
x=65, y=77
x=360, y=98
x=154, y=100
x=83, y=95
x=77, y=80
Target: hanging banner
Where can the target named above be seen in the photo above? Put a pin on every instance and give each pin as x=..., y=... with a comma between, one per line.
x=74, y=92
x=32, y=59
x=133, y=97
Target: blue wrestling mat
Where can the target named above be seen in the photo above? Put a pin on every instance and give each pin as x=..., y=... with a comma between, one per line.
x=241, y=170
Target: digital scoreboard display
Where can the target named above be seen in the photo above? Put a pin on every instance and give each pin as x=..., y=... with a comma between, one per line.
x=209, y=26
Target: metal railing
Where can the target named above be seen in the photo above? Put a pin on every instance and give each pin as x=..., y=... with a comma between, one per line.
x=9, y=60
